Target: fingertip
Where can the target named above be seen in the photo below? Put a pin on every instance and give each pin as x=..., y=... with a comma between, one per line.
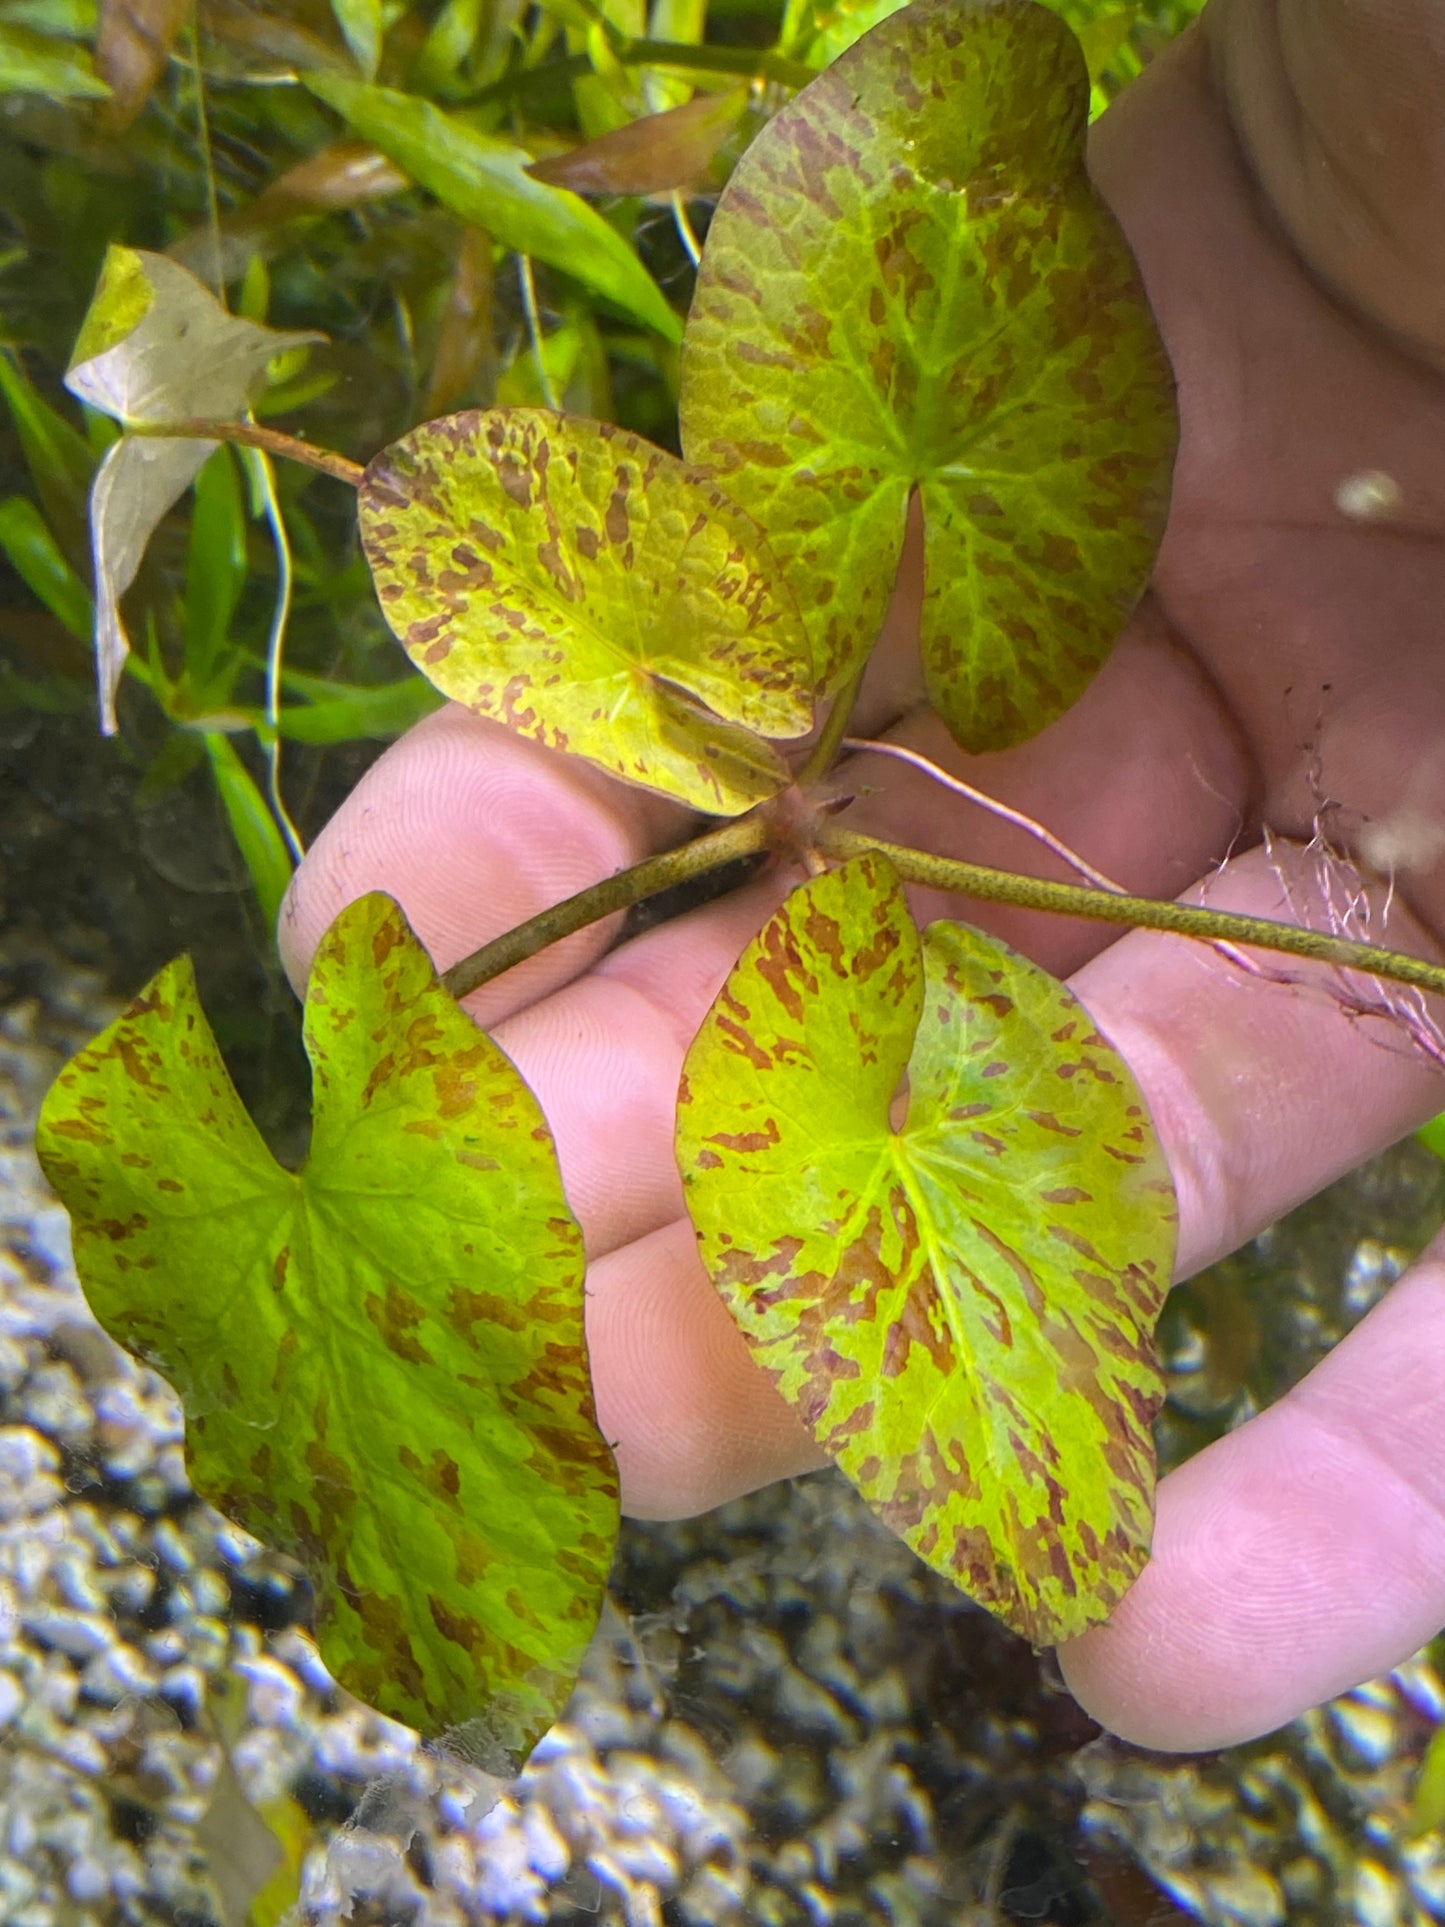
x=1293, y=1558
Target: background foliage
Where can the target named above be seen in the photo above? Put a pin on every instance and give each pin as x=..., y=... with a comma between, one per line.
x=355, y=169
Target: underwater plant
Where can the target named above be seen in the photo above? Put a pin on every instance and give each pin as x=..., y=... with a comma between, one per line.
x=926, y=1187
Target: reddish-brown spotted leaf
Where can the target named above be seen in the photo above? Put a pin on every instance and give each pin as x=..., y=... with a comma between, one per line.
x=961, y=1310
x=592, y=592
x=910, y=285
x=381, y=1356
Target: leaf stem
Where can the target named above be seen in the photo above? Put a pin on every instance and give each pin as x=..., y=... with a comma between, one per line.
x=253, y=435
x=1149, y=913
x=821, y=756
x=685, y=232
x=646, y=879
x=276, y=644
x=534, y=330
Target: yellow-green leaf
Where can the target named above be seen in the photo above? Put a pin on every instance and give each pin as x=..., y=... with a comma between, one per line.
x=595, y=594
x=381, y=1355
x=961, y=1308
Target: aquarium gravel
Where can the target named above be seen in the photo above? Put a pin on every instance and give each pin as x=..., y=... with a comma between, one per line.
x=784, y=1720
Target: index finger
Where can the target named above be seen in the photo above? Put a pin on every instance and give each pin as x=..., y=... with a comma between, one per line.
x=473, y=829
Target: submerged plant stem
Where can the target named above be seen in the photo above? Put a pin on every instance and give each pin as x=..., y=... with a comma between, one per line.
x=1148, y=913
x=646, y=879
x=260, y=464
x=253, y=435
x=534, y=330
x=822, y=755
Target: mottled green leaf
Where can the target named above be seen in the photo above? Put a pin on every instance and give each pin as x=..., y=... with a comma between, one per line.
x=484, y=179
x=910, y=284
x=961, y=1309
x=155, y=346
x=591, y=591
x=381, y=1356
x=1427, y=1805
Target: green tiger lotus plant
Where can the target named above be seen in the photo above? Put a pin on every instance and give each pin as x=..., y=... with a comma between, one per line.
x=910, y=296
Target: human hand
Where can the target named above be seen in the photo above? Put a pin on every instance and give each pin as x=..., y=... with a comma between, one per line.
x=1282, y=668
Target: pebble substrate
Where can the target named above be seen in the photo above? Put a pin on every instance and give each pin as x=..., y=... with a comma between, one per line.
x=785, y=1720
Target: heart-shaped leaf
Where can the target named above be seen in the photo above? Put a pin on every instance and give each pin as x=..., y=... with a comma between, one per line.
x=962, y=1309
x=381, y=1356
x=591, y=591
x=909, y=284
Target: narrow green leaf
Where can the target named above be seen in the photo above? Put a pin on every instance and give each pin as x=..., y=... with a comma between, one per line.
x=381, y=1356
x=216, y=565
x=59, y=458
x=360, y=22
x=33, y=63
x=1427, y=1805
x=910, y=284
x=35, y=556
x=263, y=851
x=836, y=24
x=592, y=592
x=484, y=180
x=961, y=1309
x=64, y=19
x=450, y=39
x=350, y=712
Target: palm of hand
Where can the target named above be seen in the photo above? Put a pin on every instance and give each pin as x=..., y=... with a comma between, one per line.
x=1280, y=671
